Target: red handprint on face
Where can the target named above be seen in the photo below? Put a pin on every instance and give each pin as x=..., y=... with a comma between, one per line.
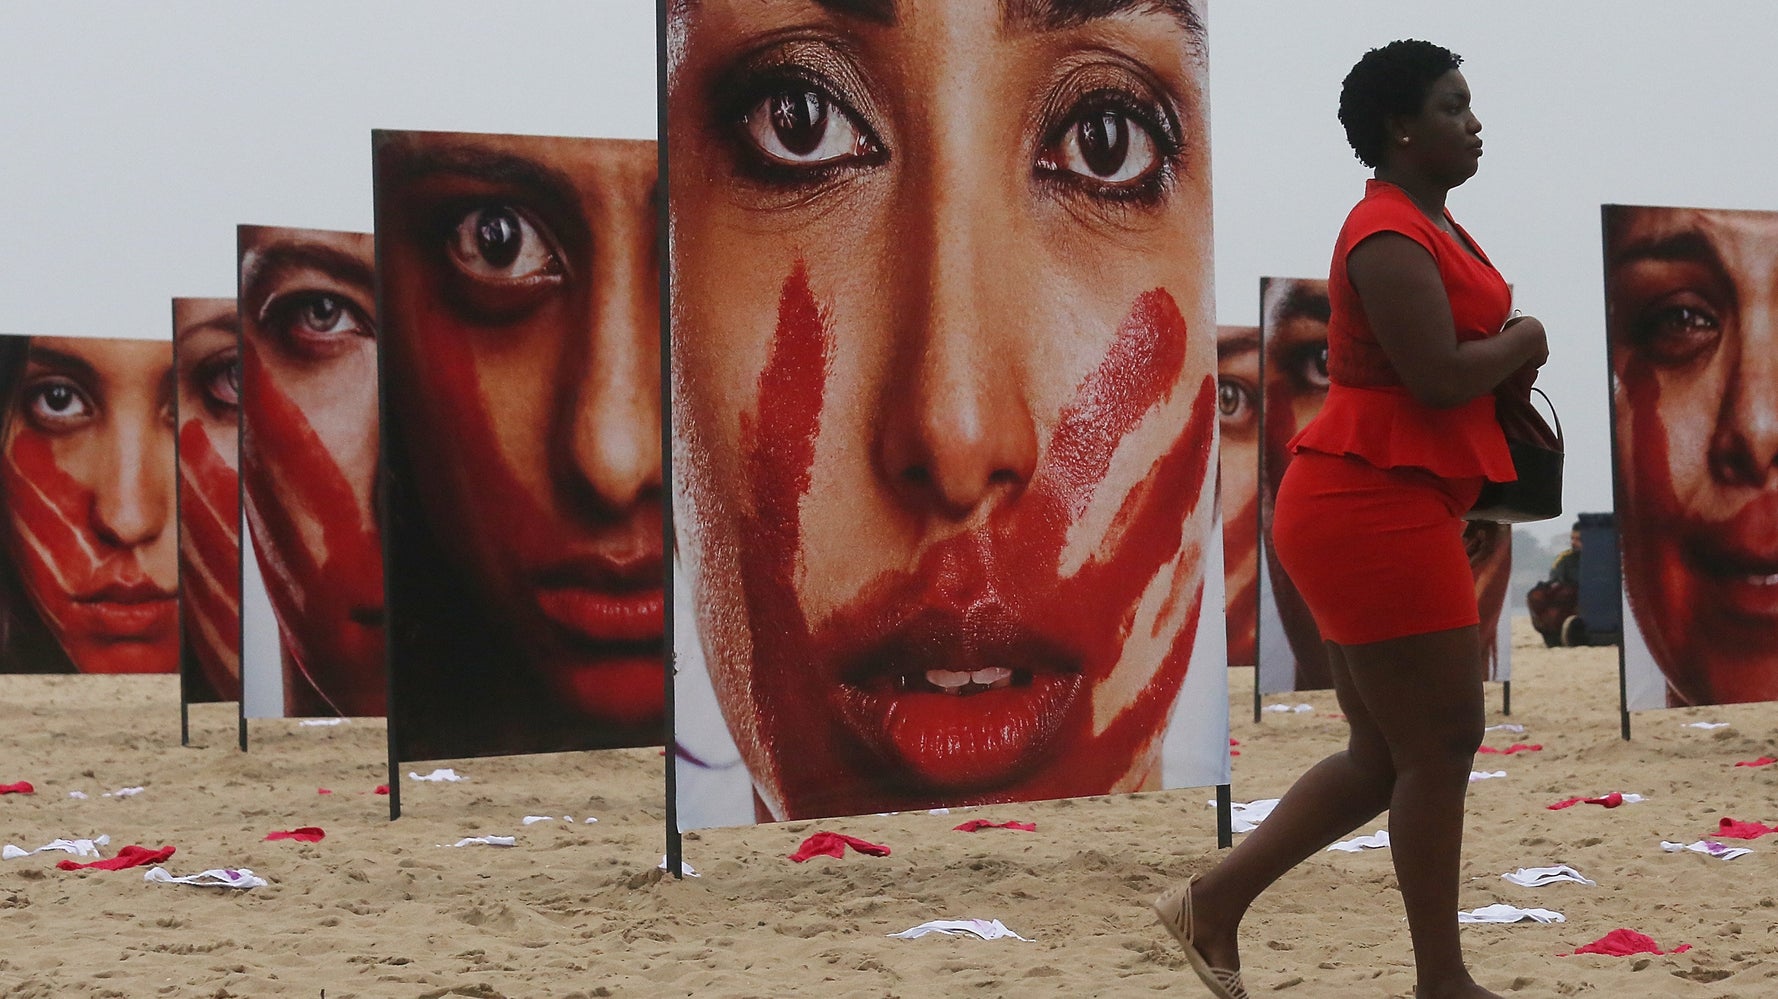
x=210, y=558
x=320, y=555
x=94, y=593
x=993, y=668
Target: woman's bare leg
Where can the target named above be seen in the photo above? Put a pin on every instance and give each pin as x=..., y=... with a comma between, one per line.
x=1415, y=712
x=1333, y=798
x=1425, y=695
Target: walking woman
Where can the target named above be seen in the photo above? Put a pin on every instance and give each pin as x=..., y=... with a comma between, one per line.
x=1368, y=522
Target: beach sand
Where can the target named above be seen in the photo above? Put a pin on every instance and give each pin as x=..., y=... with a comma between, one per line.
x=580, y=910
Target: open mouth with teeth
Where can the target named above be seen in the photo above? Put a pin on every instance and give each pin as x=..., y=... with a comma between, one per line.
x=959, y=683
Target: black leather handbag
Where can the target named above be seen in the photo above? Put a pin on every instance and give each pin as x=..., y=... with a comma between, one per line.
x=1537, y=457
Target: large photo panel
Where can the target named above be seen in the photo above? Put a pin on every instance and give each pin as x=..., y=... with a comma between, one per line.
x=1691, y=305
x=520, y=284
x=944, y=392
x=1293, y=334
x=309, y=440
x=1238, y=374
x=207, y=362
x=89, y=568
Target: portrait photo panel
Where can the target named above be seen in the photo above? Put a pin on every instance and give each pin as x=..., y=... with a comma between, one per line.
x=1293, y=335
x=89, y=569
x=207, y=362
x=520, y=284
x=1238, y=374
x=309, y=442
x=1691, y=316
x=945, y=405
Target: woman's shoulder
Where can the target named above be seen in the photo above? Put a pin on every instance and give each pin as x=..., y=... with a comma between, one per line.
x=1386, y=208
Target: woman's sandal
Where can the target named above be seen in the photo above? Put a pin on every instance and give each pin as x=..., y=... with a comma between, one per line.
x=1174, y=910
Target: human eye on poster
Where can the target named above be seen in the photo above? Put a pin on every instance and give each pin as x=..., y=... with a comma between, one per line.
x=309, y=443
x=89, y=570
x=1691, y=304
x=207, y=365
x=520, y=284
x=945, y=406
x=1294, y=314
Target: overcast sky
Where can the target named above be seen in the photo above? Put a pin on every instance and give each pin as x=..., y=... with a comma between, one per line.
x=138, y=135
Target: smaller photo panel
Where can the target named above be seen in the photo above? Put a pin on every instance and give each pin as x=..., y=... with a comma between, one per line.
x=520, y=283
x=309, y=441
x=89, y=570
x=1293, y=333
x=1691, y=308
x=1238, y=374
x=207, y=365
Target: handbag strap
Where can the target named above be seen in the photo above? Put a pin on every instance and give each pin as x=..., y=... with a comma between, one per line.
x=1557, y=420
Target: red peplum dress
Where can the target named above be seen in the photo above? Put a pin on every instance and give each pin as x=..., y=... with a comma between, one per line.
x=1368, y=520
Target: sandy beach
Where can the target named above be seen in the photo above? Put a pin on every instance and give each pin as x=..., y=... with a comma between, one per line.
x=579, y=909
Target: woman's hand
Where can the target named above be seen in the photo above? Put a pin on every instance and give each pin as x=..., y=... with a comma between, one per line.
x=1537, y=343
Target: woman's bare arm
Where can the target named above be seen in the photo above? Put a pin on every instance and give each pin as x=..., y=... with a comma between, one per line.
x=1409, y=313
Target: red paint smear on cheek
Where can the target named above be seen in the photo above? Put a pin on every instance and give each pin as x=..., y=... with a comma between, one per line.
x=210, y=512
x=1657, y=582
x=323, y=598
x=56, y=509
x=1001, y=577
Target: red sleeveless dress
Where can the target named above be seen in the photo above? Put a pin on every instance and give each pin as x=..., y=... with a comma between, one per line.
x=1368, y=519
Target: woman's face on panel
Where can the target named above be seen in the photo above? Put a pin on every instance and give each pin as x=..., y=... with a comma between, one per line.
x=1237, y=405
x=522, y=279
x=309, y=337
x=88, y=479
x=944, y=388
x=1692, y=316
x=207, y=348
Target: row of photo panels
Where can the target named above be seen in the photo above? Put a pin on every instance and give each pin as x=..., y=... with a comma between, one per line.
x=869, y=458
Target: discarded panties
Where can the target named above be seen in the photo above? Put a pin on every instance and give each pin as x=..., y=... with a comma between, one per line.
x=22, y=787
x=1500, y=912
x=1709, y=848
x=1611, y=800
x=986, y=929
x=222, y=877
x=1623, y=943
x=442, y=774
x=304, y=834
x=129, y=856
x=1537, y=877
x=977, y=825
x=1730, y=829
x=833, y=844
x=1475, y=775
x=78, y=847
x=1378, y=840
x=1517, y=747
x=1764, y=761
x=1247, y=815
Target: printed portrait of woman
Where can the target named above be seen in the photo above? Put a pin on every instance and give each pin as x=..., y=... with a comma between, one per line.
x=1293, y=329
x=91, y=574
x=1692, y=319
x=1237, y=407
x=521, y=295
x=945, y=392
x=309, y=458
x=207, y=359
